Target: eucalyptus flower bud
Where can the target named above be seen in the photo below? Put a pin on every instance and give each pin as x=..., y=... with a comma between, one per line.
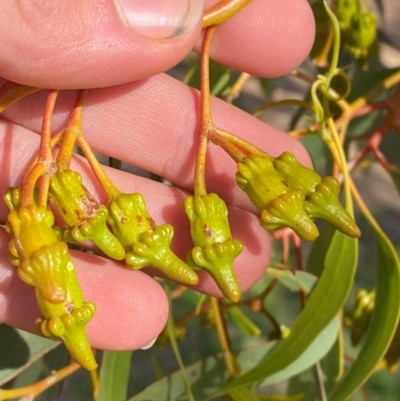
x=214, y=250
x=145, y=243
x=86, y=219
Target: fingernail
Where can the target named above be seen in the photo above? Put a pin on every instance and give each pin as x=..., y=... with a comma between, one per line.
x=158, y=19
x=150, y=344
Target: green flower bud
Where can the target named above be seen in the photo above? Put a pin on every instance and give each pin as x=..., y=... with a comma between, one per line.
x=68, y=323
x=287, y=211
x=217, y=259
x=258, y=178
x=145, y=243
x=295, y=174
x=345, y=11
x=323, y=204
x=164, y=338
x=129, y=218
x=12, y=198
x=208, y=216
x=358, y=319
x=31, y=229
x=74, y=202
x=363, y=33
x=81, y=212
x=214, y=250
x=153, y=248
x=45, y=270
x=45, y=264
x=95, y=229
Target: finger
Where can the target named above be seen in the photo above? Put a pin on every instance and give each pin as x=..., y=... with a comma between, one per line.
x=266, y=38
x=96, y=49
x=94, y=43
x=154, y=125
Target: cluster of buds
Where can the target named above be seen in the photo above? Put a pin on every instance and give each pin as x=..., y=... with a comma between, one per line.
x=359, y=317
x=358, y=320
x=44, y=263
x=358, y=26
x=289, y=194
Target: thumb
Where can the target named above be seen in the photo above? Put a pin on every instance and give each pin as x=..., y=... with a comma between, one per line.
x=94, y=43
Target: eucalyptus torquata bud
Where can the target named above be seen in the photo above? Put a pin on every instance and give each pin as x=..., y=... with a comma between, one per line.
x=214, y=249
x=287, y=211
x=68, y=321
x=145, y=243
x=358, y=319
x=86, y=219
x=268, y=182
x=292, y=195
x=345, y=10
x=12, y=198
x=45, y=264
x=323, y=204
x=362, y=34
x=40, y=259
x=258, y=178
x=295, y=174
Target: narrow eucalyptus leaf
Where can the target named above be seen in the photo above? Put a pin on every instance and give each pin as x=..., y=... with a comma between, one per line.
x=323, y=305
x=243, y=394
x=114, y=375
x=383, y=323
x=19, y=350
x=243, y=322
x=208, y=375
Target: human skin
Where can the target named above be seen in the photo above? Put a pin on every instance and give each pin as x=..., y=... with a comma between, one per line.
x=144, y=117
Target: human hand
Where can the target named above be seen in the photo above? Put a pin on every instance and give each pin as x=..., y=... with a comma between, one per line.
x=145, y=118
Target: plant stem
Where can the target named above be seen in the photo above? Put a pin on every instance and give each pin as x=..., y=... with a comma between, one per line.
x=111, y=190
x=11, y=92
x=222, y=11
x=42, y=385
x=223, y=339
x=336, y=44
x=343, y=165
x=175, y=348
x=45, y=163
x=320, y=381
x=72, y=136
x=239, y=142
x=234, y=152
x=207, y=124
x=290, y=102
x=72, y=132
x=237, y=87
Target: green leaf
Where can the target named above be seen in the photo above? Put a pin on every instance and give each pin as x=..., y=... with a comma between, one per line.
x=207, y=376
x=220, y=77
x=315, y=260
x=315, y=351
x=394, y=172
x=243, y=322
x=243, y=394
x=19, y=350
x=114, y=375
x=324, y=304
x=293, y=280
x=383, y=323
